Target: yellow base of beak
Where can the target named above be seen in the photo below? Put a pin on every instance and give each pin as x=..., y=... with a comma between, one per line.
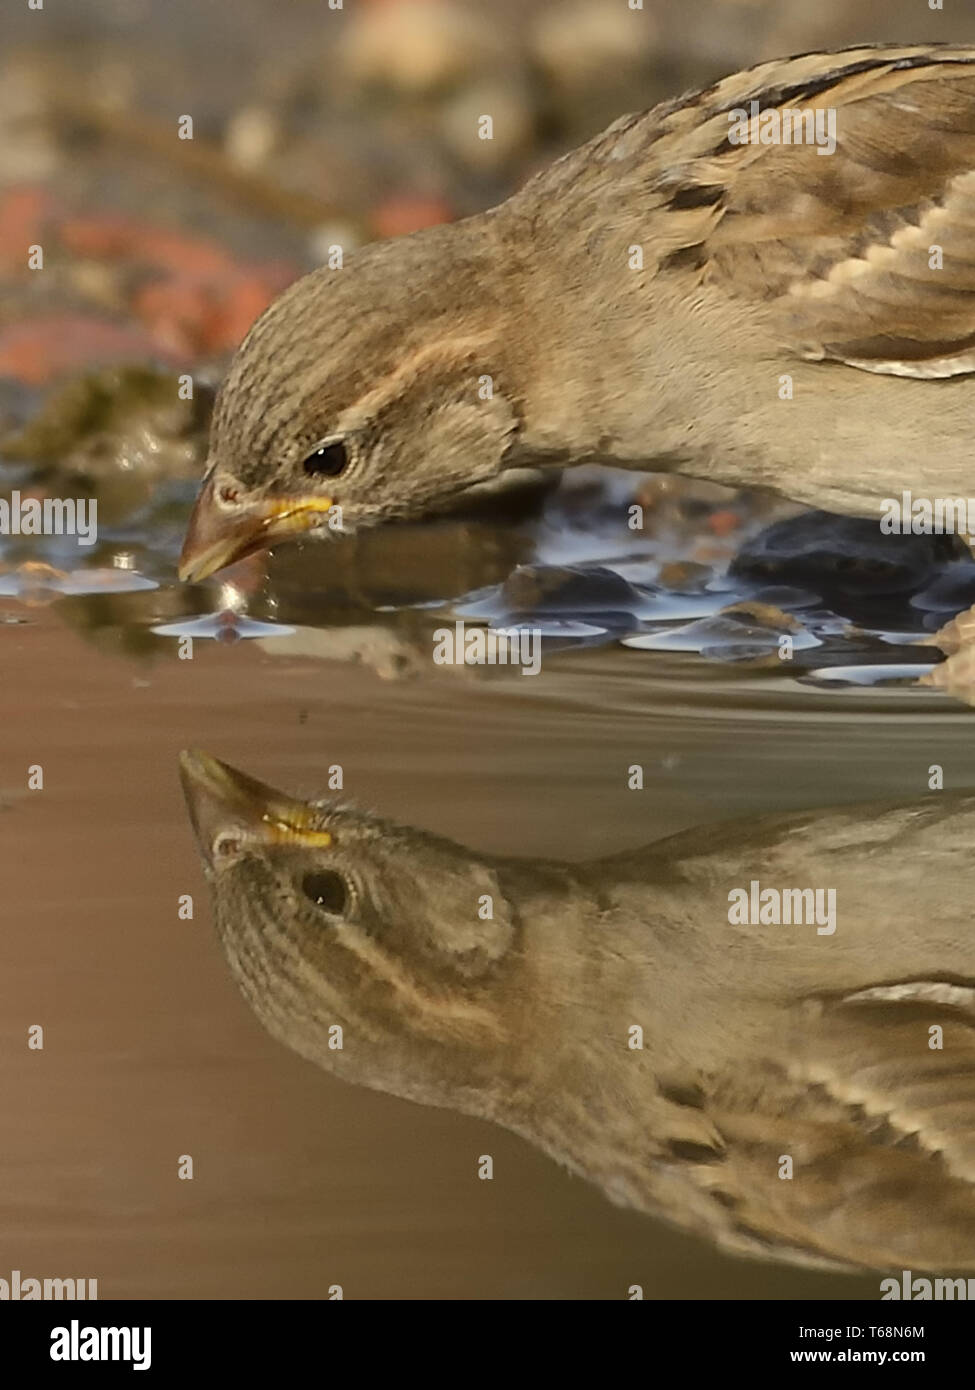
x=222, y=799
x=216, y=537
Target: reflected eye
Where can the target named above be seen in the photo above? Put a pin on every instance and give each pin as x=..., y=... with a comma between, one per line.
x=226, y=847
x=327, y=462
x=326, y=890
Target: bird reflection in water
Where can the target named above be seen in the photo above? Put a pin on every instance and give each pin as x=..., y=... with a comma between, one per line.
x=797, y=1096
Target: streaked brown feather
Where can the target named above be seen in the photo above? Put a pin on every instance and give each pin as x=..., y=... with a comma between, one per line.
x=836, y=245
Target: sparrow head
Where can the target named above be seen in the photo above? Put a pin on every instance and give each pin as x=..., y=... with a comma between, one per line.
x=381, y=953
x=364, y=393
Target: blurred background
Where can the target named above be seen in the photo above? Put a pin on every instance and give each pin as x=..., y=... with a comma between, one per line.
x=313, y=126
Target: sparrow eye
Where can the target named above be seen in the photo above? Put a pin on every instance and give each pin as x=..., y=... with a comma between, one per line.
x=327, y=462
x=326, y=890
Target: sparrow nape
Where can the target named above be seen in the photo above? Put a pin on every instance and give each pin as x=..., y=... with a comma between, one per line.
x=621, y=1016
x=769, y=282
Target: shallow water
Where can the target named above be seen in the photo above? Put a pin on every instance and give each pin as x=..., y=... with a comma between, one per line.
x=302, y=1181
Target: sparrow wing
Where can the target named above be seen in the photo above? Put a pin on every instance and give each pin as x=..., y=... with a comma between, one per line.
x=865, y=255
x=875, y=1109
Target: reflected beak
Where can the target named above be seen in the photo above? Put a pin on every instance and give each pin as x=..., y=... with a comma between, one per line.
x=222, y=800
x=216, y=538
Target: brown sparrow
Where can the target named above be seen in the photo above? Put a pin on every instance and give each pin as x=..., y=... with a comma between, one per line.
x=767, y=283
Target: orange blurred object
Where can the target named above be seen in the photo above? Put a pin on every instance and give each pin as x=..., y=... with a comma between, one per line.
x=724, y=522
x=400, y=215
x=24, y=210
x=38, y=351
x=111, y=236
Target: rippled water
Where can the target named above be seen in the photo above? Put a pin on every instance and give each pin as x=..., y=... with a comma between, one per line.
x=301, y=1180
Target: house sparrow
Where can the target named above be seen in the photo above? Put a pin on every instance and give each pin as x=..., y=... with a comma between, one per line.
x=676, y=294
x=510, y=989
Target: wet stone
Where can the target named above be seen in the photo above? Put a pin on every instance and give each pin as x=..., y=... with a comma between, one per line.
x=835, y=555
x=119, y=432
x=569, y=589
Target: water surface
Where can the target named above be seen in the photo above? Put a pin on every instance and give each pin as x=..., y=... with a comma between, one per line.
x=302, y=1181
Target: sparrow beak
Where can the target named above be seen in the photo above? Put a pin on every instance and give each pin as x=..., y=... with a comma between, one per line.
x=223, y=801
x=216, y=537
